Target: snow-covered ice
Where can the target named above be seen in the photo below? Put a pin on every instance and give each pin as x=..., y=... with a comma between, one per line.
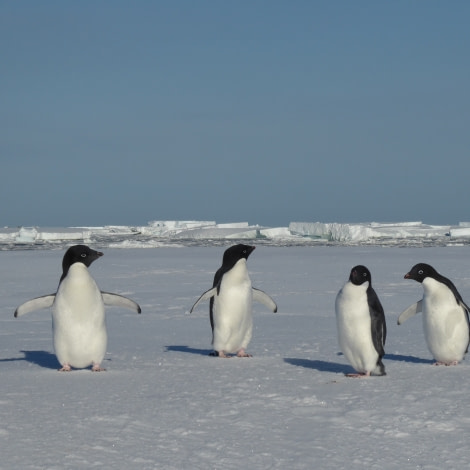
x=163, y=403
x=370, y=231
x=156, y=233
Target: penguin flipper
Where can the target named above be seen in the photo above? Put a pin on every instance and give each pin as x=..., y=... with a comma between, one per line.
x=264, y=298
x=117, y=300
x=378, y=324
x=464, y=306
x=410, y=311
x=38, y=303
x=207, y=295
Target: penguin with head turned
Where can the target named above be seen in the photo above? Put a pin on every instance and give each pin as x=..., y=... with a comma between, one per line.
x=361, y=325
x=78, y=313
x=445, y=315
x=231, y=298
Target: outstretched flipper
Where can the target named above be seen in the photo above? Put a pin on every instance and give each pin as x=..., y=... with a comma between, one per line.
x=117, y=300
x=264, y=298
x=207, y=295
x=410, y=311
x=45, y=301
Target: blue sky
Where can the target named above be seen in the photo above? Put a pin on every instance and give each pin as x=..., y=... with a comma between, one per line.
x=263, y=111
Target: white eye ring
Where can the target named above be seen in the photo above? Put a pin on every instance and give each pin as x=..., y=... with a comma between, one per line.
x=420, y=271
x=83, y=255
x=365, y=274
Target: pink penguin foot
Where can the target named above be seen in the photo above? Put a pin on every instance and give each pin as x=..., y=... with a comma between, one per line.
x=65, y=368
x=242, y=353
x=358, y=375
x=219, y=354
x=97, y=368
x=440, y=363
x=223, y=355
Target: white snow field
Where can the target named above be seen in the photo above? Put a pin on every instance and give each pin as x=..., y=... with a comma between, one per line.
x=163, y=403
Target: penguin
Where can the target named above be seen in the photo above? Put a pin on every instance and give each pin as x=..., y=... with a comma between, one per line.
x=361, y=325
x=78, y=314
x=445, y=315
x=230, y=307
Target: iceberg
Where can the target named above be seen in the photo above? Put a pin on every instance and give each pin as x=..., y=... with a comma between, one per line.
x=189, y=232
x=367, y=231
x=170, y=228
x=220, y=231
x=278, y=232
x=60, y=234
x=26, y=235
x=460, y=232
x=8, y=235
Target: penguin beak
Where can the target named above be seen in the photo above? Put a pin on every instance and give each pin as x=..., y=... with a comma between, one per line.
x=407, y=276
x=99, y=253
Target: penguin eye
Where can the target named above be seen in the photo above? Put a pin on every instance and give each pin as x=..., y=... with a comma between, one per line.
x=365, y=274
x=83, y=255
x=420, y=271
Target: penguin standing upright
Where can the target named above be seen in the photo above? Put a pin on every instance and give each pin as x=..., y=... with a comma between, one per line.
x=361, y=325
x=445, y=315
x=231, y=299
x=78, y=314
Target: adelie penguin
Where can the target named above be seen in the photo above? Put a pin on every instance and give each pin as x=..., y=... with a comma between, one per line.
x=360, y=322
x=445, y=315
x=78, y=313
x=231, y=298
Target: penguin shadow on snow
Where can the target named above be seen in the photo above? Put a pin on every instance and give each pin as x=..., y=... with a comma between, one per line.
x=186, y=349
x=412, y=359
x=335, y=367
x=322, y=366
x=44, y=359
x=40, y=358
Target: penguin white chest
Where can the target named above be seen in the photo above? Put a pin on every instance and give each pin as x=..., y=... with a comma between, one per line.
x=444, y=322
x=233, y=322
x=354, y=327
x=78, y=320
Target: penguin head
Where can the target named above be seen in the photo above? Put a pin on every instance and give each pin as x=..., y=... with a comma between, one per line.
x=236, y=253
x=359, y=275
x=421, y=271
x=79, y=254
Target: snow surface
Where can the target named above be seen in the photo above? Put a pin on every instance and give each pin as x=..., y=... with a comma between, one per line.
x=163, y=403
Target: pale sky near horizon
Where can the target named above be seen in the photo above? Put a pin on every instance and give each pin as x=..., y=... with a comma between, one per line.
x=265, y=111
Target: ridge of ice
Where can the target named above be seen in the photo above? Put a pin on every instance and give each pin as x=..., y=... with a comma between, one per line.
x=158, y=231
x=367, y=231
